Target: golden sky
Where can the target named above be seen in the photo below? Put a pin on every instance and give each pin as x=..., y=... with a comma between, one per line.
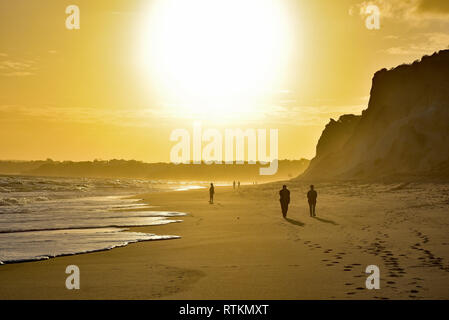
x=138, y=69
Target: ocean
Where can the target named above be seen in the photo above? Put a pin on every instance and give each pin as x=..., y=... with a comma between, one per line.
x=43, y=217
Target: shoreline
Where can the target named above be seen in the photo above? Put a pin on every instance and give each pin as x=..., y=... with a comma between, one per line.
x=21, y=243
x=241, y=248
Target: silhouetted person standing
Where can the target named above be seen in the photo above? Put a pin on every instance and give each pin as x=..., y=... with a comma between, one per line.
x=284, y=198
x=211, y=193
x=233, y=184
x=238, y=185
x=311, y=197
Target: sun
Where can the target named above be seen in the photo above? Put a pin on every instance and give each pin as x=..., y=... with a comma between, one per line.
x=215, y=56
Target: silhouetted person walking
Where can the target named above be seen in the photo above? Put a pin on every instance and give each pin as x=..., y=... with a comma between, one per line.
x=211, y=193
x=238, y=185
x=233, y=184
x=311, y=197
x=284, y=198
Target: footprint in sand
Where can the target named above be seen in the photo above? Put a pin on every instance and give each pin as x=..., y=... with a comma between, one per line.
x=393, y=275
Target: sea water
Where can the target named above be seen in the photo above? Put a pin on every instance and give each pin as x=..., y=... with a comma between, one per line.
x=44, y=217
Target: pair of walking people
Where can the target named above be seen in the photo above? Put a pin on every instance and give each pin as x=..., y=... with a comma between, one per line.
x=285, y=200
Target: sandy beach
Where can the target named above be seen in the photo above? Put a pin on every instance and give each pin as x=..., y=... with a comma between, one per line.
x=116, y=118
x=241, y=248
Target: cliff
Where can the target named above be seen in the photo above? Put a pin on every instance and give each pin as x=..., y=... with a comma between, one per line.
x=404, y=132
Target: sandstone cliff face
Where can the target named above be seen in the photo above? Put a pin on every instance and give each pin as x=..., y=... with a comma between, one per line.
x=403, y=133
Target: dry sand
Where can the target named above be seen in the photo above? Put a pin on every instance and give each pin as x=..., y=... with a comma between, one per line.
x=242, y=248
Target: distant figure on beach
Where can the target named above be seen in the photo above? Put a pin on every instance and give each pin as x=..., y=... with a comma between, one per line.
x=284, y=198
x=211, y=193
x=311, y=197
x=238, y=185
x=233, y=184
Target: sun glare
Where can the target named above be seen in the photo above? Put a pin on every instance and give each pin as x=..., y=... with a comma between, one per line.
x=215, y=56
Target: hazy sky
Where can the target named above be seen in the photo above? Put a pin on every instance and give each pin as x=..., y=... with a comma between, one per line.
x=136, y=70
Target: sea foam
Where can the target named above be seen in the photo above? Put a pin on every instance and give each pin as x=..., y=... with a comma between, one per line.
x=58, y=219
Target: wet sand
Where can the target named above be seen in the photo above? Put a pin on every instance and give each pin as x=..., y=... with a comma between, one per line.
x=242, y=248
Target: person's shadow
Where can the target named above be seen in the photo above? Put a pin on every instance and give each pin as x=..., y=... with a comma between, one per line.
x=326, y=221
x=295, y=222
